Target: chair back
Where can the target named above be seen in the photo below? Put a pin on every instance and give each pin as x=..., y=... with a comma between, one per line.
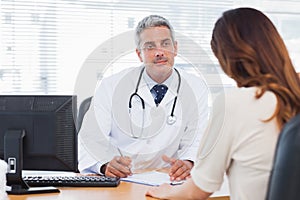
x=284, y=182
x=83, y=108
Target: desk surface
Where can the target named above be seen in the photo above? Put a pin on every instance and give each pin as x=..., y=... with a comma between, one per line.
x=126, y=190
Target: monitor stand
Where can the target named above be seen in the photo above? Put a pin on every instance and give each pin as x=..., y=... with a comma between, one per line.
x=13, y=155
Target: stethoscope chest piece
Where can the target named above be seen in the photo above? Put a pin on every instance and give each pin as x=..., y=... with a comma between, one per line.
x=171, y=120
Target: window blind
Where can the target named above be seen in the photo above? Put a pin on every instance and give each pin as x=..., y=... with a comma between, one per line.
x=44, y=43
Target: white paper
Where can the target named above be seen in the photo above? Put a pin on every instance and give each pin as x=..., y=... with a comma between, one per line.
x=152, y=178
x=155, y=178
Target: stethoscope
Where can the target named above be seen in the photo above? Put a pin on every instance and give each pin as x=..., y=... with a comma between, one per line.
x=171, y=119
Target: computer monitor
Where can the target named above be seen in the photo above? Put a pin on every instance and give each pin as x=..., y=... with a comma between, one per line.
x=37, y=132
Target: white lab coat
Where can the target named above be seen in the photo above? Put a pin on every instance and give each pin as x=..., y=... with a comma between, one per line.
x=108, y=124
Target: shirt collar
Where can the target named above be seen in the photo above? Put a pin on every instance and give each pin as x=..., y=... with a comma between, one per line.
x=150, y=82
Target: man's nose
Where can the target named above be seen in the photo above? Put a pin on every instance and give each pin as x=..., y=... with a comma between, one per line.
x=159, y=52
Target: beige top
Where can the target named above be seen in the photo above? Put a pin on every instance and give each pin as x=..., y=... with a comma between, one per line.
x=238, y=143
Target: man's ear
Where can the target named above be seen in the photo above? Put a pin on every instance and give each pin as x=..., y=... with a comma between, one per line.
x=138, y=52
x=175, y=48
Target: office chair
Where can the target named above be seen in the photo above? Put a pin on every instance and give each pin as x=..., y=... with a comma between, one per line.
x=284, y=182
x=83, y=108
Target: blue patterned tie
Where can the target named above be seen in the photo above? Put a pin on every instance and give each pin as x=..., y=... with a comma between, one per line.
x=158, y=91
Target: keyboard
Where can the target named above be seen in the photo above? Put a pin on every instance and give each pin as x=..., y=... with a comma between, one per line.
x=71, y=181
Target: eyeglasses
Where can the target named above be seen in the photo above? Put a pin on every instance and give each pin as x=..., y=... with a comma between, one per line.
x=150, y=46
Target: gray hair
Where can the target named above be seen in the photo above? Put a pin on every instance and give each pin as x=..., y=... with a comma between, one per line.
x=152, y=21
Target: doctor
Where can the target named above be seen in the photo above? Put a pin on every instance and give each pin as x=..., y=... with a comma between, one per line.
x=132, y=126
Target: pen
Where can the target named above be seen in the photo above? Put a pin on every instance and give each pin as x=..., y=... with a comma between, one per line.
x=123, y=156
x=176, y=182
x=120, y=152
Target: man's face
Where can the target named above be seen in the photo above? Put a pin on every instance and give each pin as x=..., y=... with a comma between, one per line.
x=157, y=50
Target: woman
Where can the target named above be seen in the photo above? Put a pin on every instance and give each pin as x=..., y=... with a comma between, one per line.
x=246, y=122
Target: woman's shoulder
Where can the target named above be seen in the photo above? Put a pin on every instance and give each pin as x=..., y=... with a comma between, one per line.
x=248, y=93
x=242, y=99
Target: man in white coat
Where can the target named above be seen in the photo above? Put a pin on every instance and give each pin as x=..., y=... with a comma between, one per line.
x=131, y=126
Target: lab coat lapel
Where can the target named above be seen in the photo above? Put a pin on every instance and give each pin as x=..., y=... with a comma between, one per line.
x=145, y=93
x=171, y=93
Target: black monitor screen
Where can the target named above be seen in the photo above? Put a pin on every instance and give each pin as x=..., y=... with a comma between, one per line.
x=48, y=121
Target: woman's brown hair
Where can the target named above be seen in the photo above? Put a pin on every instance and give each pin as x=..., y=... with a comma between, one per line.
x=251, y=51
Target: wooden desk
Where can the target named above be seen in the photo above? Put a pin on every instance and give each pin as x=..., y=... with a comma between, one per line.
x=125, y=191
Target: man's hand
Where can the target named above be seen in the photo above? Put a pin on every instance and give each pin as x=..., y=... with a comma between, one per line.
x=118, y=167
x=180, y=169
